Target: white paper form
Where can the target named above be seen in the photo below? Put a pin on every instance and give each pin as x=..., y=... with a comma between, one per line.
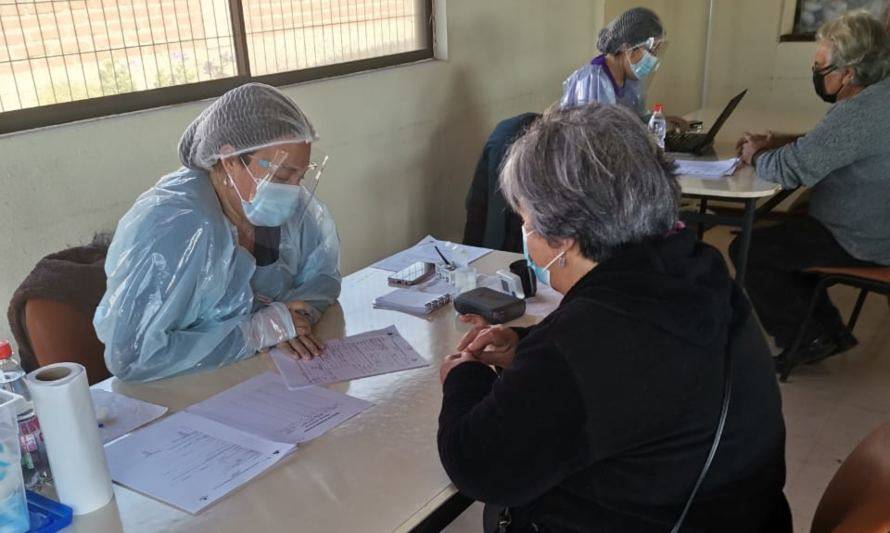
x=190, y=462
x=265, y=407
x=706, y=169
x=369, y=354
x=119, y=414
x=425, y=250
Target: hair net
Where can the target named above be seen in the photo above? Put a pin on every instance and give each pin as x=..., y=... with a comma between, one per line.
x=248, y=117
x=630, y=28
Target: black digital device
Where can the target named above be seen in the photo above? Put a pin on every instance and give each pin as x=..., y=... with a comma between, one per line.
x=529, y=281
x=698, y=143
x=494, y=306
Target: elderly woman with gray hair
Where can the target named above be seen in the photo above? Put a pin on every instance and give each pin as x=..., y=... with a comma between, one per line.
x=603, y=415
x=845, y=161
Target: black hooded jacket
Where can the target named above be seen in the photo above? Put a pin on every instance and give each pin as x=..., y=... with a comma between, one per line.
x=605, y=418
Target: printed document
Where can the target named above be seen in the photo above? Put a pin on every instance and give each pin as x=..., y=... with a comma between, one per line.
x=368, y=354
x=118, y=414
x=706, y=169
x=195, y=457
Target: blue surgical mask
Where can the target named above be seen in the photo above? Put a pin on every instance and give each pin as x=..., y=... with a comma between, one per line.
x=542, y=273
x=645, y=66
x=273, y=203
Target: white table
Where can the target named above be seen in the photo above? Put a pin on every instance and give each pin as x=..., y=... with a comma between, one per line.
x=379, y=471
x=744, y=187
x=744, y=183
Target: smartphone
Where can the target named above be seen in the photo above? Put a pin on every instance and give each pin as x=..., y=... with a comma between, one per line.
x=415, y=274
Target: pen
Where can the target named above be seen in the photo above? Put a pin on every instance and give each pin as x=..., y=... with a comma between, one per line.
x=447, y=262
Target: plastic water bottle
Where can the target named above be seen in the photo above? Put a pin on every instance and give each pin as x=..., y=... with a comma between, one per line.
x=658, y=125
x=35, y=465
x=464, y=275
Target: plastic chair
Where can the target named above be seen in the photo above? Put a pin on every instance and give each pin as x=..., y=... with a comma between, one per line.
x=858, y=497
x=59, y=332
x=867, y=279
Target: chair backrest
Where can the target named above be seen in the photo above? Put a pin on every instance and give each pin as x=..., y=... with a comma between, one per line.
x=59, y=332
x=858, y=497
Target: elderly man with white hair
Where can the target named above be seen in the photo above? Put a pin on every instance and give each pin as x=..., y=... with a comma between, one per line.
x=227, y=256
x=845, y=161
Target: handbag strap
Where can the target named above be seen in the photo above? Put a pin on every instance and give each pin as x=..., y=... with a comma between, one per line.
x=718, y=433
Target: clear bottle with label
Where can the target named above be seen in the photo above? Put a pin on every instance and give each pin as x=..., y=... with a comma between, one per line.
x=658, y=125
x=35, y=465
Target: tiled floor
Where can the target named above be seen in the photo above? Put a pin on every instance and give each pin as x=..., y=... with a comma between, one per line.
x=829, y=407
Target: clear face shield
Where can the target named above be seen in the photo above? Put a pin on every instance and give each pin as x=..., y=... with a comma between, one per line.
x=644, y=59
x=309, y=180
x=283, y=191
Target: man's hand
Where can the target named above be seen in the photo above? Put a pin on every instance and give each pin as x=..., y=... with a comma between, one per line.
x=677, y=125
x=750, y=145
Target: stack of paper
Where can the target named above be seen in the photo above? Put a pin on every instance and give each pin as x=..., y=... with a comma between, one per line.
x=707, y=169
x=195, y=457
x=368, y=354
x=425, y=250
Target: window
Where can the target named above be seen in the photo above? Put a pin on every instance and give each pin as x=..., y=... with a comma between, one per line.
x=809, y=15
x=65, y=60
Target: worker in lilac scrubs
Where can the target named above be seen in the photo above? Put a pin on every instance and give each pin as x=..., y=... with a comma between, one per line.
x=630, y=47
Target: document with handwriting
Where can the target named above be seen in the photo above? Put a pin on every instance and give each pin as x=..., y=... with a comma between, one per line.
x=266, y=407
x=368, y=354
x=195, y=457
x=190, y=462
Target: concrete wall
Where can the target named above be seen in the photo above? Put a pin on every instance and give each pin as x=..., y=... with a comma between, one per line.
x=403, y=141
x=745, y=52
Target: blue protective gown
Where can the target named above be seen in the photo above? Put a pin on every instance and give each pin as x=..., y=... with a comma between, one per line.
x=594, y=83
x=179, y=285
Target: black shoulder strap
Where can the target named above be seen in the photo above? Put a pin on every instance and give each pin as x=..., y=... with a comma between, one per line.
x=718, y=433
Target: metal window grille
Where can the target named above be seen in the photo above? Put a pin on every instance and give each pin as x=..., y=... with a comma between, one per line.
x=63, y=60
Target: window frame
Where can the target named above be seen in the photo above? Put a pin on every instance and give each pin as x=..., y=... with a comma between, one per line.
x=89, y=108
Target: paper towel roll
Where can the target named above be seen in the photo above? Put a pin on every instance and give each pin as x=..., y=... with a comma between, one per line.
x=64, y=408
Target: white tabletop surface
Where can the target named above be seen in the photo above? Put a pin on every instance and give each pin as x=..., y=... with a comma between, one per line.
x=379, y=471
x=744, y=183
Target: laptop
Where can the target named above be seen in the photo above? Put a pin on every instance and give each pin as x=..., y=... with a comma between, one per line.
x=697, y=143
